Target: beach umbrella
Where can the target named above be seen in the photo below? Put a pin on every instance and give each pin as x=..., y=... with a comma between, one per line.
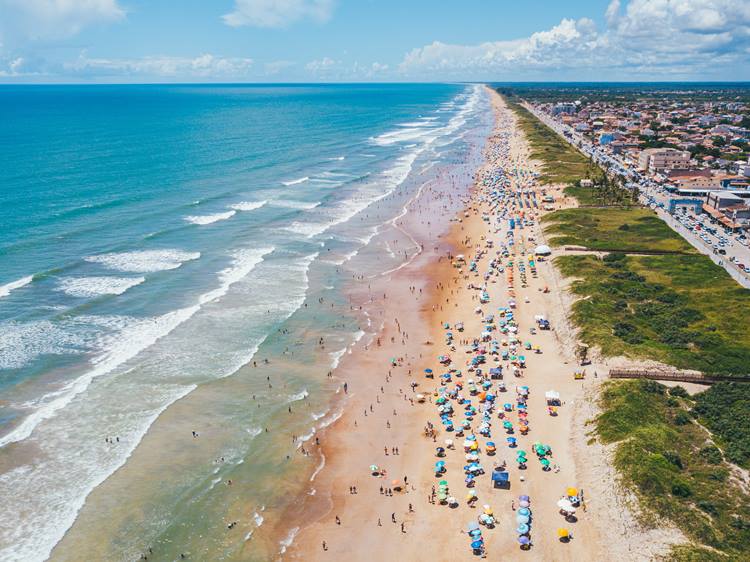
x=522, y=529
x=524, y=498
x=522, y=519
x=565, y=505
x=524, y=511
x=472, y=526
x=524, y=540
x=476, y=545
x=443, y=483
x=563, y=533
x=545, y=463
x=572, y=492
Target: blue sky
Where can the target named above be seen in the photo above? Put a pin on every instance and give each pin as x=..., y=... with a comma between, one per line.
x=372, y=40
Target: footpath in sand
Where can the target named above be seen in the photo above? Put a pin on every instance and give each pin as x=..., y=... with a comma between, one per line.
x=496, y=292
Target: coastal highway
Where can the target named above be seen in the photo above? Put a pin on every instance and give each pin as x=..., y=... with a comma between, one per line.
x=737, y=257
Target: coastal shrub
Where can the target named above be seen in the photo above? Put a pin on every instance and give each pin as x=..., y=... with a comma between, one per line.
x=679, y=391
x=708, y=507
x=711, y=454
x=681, y=489
x=620, y=304
x=674, y=458
x=682, y=418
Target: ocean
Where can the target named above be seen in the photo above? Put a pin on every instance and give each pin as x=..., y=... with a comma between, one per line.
x=176, y=258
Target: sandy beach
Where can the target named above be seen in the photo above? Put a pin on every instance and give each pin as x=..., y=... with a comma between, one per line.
x=383, y=412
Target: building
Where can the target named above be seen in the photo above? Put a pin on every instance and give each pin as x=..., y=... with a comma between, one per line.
x=721, y=200
x=698, y=182
x=661, y=159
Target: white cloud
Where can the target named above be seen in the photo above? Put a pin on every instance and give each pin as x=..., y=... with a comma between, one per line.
x=203, y=66
x=648, y=36
x=36, y=19
x=323, y=65
x=14, y=68
x=277, y=13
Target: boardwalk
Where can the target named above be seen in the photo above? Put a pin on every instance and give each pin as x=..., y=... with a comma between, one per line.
x=678, y=376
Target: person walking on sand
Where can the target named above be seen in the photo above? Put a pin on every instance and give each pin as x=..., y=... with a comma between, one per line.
x=325, y=547
x=393, y=517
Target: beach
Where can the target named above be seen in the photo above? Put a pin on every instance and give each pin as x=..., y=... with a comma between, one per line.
x=353, y=515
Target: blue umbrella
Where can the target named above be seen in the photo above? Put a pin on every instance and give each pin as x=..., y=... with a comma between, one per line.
x=476, y=545
x=522, y=529
x=522, y=519
x=524, y=540
x=524, y=511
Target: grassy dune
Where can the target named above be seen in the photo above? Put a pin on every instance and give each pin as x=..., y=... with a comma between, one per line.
x=675, y=467
x=679, y=309
x=561, y=163
x=622, y=229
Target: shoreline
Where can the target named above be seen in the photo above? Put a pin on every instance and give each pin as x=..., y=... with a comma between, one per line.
x=356, y=440
x=356, y=446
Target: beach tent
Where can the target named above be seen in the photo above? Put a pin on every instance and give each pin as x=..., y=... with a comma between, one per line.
x=553, y=397
x=500, y=479
x=542, y=250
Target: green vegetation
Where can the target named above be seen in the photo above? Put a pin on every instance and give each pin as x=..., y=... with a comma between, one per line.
x=725, y=410
x=680, y=309
x=620, y=229
x=675, y=468
x=561, y=163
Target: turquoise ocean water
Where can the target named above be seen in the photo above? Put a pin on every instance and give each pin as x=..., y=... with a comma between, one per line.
x=155, y=239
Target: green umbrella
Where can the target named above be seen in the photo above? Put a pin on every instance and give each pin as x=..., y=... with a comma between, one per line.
x=443, y=482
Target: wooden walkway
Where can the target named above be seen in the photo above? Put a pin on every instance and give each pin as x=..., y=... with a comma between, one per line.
x=677, y=376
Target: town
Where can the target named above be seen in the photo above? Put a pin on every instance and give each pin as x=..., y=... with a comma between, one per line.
x=684, y=154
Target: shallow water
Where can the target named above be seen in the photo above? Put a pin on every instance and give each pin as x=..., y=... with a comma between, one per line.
x=174, y=235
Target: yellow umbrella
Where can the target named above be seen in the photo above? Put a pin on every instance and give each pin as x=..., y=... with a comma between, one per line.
x=562, y=533
x=572, y=492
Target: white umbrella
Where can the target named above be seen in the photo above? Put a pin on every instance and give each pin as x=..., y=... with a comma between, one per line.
x=565, y=505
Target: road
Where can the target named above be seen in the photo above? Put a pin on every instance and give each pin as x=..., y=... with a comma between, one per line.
x=735, y=260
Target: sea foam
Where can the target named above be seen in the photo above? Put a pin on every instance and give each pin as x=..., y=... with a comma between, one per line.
x=203, y=220
x=248, y=205
x=6, y=289
x=144, y=261
x=89, y=287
